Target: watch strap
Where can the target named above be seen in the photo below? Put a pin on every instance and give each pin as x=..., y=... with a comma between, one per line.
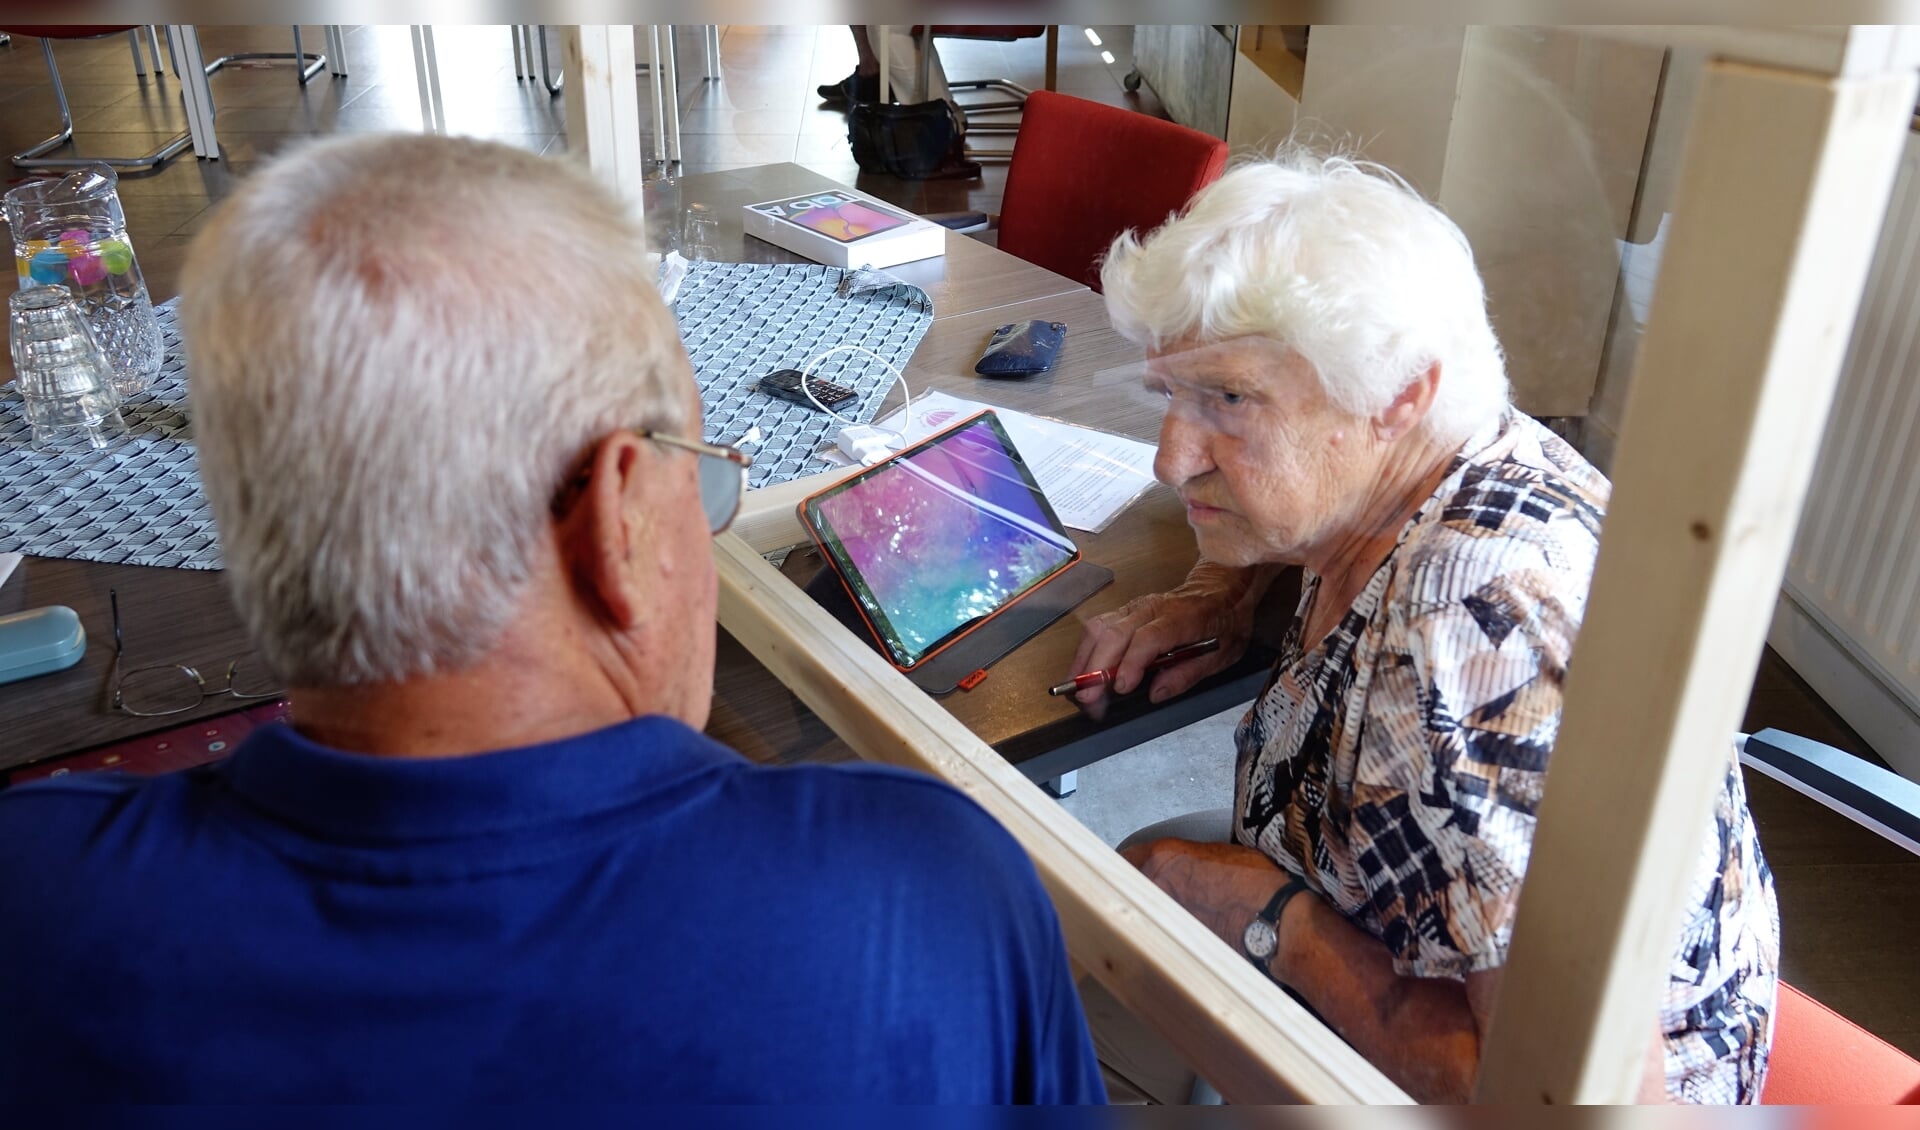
x=1277, y=905
x=1281, y=897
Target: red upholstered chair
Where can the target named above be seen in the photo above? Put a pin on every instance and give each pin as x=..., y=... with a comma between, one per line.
x=31, y=157
x=1082, y=173
x=1821, y=1058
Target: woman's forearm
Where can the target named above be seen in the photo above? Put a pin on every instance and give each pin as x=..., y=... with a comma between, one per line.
x=1421, y=1032
x=1424, y=1034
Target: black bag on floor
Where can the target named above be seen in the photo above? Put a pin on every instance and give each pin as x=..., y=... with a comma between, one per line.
x=900, y=140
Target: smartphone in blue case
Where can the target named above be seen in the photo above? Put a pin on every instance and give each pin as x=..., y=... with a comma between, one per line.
x=1022, y=349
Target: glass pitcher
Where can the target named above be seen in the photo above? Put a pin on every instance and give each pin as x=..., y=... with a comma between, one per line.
x=71, y=232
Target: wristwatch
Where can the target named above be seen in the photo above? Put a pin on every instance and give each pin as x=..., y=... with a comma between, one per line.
x=1263, y=933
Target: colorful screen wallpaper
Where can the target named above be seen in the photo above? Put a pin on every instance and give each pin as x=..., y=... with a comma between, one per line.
x=944, y=536
x=835, y=215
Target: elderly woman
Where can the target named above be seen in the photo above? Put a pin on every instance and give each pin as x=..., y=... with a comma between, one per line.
x=1336, y=399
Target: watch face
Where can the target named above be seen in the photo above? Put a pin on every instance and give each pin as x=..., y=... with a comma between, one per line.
x=1260, y=939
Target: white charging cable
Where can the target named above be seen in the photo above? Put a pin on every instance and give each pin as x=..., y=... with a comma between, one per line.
x=863, y=443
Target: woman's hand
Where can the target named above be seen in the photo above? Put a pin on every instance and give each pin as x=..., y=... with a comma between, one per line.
x=1216, y=601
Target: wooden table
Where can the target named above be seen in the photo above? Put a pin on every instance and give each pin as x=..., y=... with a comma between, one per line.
x=178, y=615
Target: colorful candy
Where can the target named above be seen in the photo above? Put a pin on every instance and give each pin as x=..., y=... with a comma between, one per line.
x=117, y=256
x=77, y=257
x=86, y=270
x=49, y=266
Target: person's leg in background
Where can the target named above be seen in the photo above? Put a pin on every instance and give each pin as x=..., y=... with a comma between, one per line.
x=863, y=85
x=1138, y=1065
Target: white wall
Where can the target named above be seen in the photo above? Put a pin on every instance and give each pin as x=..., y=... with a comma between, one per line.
x=1532, y=139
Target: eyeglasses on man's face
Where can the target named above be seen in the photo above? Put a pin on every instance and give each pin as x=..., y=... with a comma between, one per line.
x=723, y=477
x=175, y=688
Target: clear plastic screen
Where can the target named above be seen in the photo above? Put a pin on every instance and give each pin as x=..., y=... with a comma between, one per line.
x=1225, y=388
x=942, y=536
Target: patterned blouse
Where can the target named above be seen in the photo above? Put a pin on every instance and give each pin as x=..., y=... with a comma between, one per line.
x=1398, y=764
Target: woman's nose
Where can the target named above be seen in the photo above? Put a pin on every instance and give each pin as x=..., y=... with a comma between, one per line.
x=1182, y=454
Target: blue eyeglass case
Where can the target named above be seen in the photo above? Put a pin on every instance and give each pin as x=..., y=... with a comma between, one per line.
x=40, y=641
x=1022, y=349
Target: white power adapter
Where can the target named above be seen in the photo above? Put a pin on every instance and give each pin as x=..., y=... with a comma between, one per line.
x=866, y=444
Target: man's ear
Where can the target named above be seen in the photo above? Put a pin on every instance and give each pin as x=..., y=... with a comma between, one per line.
x=600, y=537
x=1406, y=410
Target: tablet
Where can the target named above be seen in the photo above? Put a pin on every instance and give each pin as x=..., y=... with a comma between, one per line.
x=940, y=538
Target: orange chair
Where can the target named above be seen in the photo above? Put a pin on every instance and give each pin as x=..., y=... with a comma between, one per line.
x=1083, y=172
x=1821, y=1058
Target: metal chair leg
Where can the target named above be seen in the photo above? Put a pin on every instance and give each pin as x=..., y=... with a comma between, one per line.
x=1018, y=94
x=30, y=157
x=519, y=51
x=671, y=68
x=139, y=60
x=426, y=71
x=310, y=65
x=336, y=51
x=551, y=81
x=659, y=98
x=153, y=48
x=196, y=94
x=710, y=52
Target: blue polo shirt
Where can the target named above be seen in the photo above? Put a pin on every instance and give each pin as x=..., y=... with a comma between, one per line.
x=635, y=914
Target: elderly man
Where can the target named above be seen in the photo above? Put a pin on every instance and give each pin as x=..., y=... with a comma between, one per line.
x=453, y=448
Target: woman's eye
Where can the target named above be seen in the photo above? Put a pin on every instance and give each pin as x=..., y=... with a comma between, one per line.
x=1229, y=397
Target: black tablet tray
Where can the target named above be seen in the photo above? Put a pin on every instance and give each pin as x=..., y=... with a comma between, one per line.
x=985, y=645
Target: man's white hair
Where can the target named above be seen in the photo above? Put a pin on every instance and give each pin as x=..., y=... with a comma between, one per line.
x=398, y=346
x=1339, y=260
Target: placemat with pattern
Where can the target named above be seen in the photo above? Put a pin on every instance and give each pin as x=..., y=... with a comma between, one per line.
x=141, y=504
x=741, y=321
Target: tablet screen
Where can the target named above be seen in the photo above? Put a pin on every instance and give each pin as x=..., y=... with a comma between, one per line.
x=941, y=536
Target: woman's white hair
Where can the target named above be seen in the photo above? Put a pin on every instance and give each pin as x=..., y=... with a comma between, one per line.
x=1339, y=260
x=398, y=346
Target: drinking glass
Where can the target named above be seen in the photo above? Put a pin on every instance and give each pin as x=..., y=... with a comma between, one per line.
x=62, y=373
x=701, y=236
x=69, y=231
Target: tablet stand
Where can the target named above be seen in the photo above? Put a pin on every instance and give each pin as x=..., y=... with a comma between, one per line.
x=985, y=645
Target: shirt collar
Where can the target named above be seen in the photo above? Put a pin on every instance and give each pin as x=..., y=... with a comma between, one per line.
x=359, y=797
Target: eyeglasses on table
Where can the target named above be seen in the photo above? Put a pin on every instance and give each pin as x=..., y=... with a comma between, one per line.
x=175, y=688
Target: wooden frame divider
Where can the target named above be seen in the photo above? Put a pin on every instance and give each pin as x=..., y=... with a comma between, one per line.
x=1781, y=195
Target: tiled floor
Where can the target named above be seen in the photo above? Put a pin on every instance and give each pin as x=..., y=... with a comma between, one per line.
x=763, y=108
x=1847, y=898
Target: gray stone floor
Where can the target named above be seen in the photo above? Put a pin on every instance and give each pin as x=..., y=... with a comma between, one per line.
x=1185, y=771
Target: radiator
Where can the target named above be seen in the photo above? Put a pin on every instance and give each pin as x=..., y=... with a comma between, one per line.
x=1855, y=567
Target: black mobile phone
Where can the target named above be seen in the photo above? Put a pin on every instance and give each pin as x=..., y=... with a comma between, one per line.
x=785, y=384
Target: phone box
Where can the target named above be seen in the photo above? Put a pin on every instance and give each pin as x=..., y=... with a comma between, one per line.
x=843, y=228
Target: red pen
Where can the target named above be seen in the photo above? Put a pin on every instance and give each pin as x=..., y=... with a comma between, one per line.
x=1165, y=659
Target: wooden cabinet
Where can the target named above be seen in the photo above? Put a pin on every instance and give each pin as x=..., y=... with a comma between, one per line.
x=1190, y=66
